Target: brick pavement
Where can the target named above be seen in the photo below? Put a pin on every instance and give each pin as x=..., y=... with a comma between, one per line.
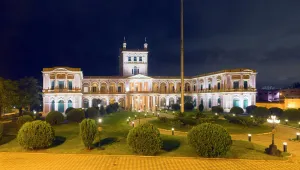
x=11, y=161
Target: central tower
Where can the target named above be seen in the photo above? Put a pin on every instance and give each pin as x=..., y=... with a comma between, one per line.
x=133, y=62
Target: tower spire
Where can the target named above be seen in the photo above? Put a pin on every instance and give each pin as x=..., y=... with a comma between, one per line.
x=124, y=44
x=145, y=44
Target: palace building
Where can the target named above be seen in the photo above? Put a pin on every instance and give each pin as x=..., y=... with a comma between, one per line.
x=134, y=89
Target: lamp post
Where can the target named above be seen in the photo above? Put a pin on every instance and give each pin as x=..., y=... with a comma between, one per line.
x=173, y=131
x=249, y=137
x=99, y=130
x=297, y=135
x=273, y=120
x=286, y=121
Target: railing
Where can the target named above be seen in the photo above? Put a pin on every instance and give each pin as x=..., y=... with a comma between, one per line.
x=62, y=91
x=227, y=90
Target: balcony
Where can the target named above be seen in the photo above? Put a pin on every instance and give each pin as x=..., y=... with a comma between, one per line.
x=65, y=90
x=227, y=90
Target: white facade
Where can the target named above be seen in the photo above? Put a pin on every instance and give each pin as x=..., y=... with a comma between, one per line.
x=64, y=87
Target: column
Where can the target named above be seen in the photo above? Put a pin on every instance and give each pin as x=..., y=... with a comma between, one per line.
x=154, y=102
x=132, y=103
x=148, y=102
x=90, y=102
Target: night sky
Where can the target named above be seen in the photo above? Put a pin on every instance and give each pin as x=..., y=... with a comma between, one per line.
x=219, y=34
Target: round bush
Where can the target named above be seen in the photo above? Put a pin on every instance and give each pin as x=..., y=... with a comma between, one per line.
x=249, y=109
x=209, y=140
x=217, y=109
x=175, y=106
x=23, y=119
x=88, y=131
x=292, y=114
x=144, y=139
x=69, y=109
x=36, y=135
x=261, y=112
x=92, y=113
x=236, y=110
x=54, y=117
x=276, y=111
x=75, y=115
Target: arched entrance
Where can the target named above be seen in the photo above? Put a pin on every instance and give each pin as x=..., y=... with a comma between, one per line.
x=236, y=102
x=96, y=102
x=61, y=106
x=70, y=104
x=245, y=103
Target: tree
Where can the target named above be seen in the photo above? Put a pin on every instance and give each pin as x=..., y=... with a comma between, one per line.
x=8, y=94
x=249, y=109
x=29, y=94
x=261, y=112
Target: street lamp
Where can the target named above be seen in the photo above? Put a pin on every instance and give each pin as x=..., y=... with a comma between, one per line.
x=298, y=135
x=99, y=130
x=100, y=120
x=273, y=120
x=251, y=116
x=173, y=131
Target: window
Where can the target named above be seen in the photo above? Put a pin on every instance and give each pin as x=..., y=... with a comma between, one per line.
x=236, y=85
x=85, y=89
x=129, y=58
x=94, y=89
x=219, y=101
x=134, y=59
x=140, y=59
x=245, y=103
x=245, y=84
x=119, y=89
x=219, y=85
x=135, y=70
x=70, y=85
x=194, y=88
x=209, y=86
x=61, y=84
x=201, y=87
x=52, y=84
x=236, y=102
x=209, y=103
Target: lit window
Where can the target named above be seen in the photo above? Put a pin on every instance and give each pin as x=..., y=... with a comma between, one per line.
x=236, y=85
x=70, y=85
x=94, y=89
x=140, y=59
x=134, y=58
x=129, y=58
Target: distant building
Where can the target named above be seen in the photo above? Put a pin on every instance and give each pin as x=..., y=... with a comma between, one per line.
x=268, y=94
x=134, y=89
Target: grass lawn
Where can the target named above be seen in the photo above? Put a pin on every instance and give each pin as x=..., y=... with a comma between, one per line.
x=290, y=123
x=231, y=128
x=113, y=141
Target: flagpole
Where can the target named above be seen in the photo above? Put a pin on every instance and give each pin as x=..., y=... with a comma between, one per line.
x=182, y=60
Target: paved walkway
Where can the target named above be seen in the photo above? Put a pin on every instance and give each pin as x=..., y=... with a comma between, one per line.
x=34, y=161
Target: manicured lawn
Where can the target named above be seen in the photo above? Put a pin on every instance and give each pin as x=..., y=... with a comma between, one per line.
x=231, y=128
x=290, y=123
x=113, y=141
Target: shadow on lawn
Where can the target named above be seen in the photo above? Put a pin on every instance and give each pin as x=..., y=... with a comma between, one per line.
x=58, y=141
x=170, y=144
x=7, y=138
x=106, y=141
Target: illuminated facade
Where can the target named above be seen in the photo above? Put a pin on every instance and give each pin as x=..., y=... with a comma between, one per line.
x=65, y=87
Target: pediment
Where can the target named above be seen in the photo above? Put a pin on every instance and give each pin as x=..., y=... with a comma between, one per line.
x=139, y=76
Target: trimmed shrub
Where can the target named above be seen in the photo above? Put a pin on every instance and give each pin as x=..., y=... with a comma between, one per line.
x=163, y=119
x=69, y=109
x=236, y=110
x=23, y=119
x=188, y=106
x=261, y=112
x=217, y=109
x=291, y=114
x=249, y=109
x=28, y=113
x=92, y=113
x=109, y=109
x=36, y=135
x=200, y=115
x=209, y=140
x=75, y=115
x=88, y=131
x=54, y=118
x=204, y=120
x=115, y=107
x=245, y=121
x=187, y=121
x=1, y=130
x=201, y=107
x=144, y=139
x=102, y=111
x=276, y=111
x=175, y=106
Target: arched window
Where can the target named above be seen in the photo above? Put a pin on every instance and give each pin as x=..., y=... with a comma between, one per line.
x=135, y=70
x=61, y=106
x=219, y=101
x=209, y=103
x=85, y=103
x=236, y=102
x=209, y=86
x=245, y=103
x=201, y=101
x=219, y=85
x=134, y=58
x=70, y=104
x=194, y=87
x=52, y=108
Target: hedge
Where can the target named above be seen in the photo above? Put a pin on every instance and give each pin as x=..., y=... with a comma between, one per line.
x=236, y=110
x=188, y=106
x=92, y=113
x=28, y=113
x=54, y=117
x=36, y=135
x=144, y=139
x=249, y=109
x=88, y=131
x=69, y=109
x=245, y=121
x=209, y=140
x=75, y=115
x=175, y=106
x=23, y=119
x=292, y=114
x=276, y=111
